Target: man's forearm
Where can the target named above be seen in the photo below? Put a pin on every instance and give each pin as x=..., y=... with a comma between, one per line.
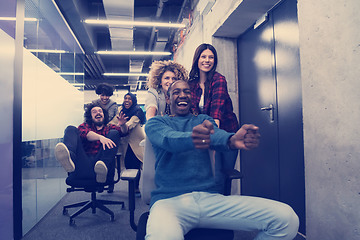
x=93, y=136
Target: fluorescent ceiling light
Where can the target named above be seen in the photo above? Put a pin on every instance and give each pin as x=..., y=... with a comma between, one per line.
x=47, y=51
x=14, y=19
x=72, y=74
x=78, y=84
x=133, y=23
x=126, y=74
x=132, y=53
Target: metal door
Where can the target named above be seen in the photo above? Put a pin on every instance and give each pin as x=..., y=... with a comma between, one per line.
x=270, y=97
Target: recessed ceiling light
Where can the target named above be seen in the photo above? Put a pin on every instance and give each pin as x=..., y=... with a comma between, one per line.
x=133, y=23
x=47, y=50
x=72, y=74
x=126, y=74
x=14, y=19
x=132, y=53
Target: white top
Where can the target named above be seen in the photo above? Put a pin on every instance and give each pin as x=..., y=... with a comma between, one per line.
x=201, y=103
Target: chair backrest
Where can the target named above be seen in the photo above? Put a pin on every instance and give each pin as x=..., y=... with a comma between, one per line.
x=147, y=180
x=147, y=184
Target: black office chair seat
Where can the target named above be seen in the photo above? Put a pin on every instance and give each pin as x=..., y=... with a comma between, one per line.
x=87, y=184
x=93, y=187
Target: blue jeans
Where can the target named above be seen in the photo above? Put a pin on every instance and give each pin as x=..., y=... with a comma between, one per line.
x=172, y=218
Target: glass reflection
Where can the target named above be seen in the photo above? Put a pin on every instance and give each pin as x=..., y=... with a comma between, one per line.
x=53, y=67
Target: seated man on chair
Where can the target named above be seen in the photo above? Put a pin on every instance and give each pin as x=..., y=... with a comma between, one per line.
x=89, y=150
x=185, y=197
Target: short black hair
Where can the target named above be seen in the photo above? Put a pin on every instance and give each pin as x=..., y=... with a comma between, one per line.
x=172, y=84
x=105, y=89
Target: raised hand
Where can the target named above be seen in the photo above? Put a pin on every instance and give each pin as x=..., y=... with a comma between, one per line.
x=201, y=134
x=106, y=142
x=122, y=119
x=247, y=137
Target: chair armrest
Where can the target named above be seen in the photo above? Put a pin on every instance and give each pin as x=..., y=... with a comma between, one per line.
x=229, y=176
x=131, y=175
x=232, y=174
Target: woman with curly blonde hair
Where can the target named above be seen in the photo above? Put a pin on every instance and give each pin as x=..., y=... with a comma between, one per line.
x=161, y=75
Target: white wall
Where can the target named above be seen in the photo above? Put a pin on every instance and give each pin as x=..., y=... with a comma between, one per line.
x=49, y=102
x=330, y=69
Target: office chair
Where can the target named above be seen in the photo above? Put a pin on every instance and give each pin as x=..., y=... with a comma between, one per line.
x=92, y=187
x=147, y=185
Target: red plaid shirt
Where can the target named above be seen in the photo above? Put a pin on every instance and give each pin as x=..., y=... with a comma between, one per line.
x=93, y=147
x=217, y=103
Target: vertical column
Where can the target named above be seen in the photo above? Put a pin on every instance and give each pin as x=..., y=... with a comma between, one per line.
x=17, y=113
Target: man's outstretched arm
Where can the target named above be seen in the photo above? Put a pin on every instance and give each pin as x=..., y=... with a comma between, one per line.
x=247, y=138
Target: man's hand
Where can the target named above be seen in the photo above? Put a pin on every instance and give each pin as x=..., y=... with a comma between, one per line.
x=106, y=142
x=247, y=137
x=122, y=119
x=201, y=134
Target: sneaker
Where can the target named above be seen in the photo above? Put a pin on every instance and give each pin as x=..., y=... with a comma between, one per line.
x=101, y=171
x=63, y=156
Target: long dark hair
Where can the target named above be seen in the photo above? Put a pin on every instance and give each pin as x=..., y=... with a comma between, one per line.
x=194, y=73
x=87, y=114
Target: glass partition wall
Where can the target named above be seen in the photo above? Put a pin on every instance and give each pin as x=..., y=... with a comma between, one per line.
x=7, y=76
x=53, y=79
x=52, y=98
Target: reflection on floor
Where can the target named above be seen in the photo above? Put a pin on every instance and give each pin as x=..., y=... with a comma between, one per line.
x=42, y=188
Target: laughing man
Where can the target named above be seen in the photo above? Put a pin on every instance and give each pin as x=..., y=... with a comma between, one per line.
x=186, y=197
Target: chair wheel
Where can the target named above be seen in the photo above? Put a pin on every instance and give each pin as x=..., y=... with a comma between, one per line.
x=65, y=211
x=72, y=222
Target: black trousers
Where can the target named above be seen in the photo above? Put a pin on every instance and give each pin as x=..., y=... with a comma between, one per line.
x=84, y=164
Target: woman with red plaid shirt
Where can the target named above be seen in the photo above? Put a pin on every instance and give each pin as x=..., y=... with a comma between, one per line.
x=210, y=96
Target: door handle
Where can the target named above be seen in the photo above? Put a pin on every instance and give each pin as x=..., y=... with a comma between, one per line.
x=271, y=109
